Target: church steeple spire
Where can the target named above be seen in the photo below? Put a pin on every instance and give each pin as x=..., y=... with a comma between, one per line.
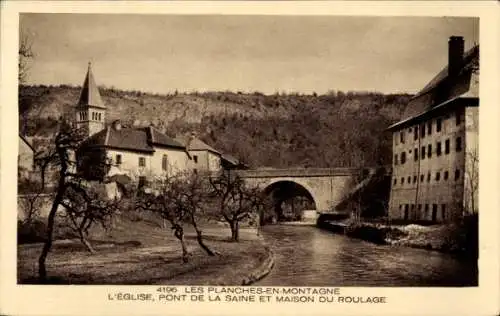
x=90, y=95
x=90, y=110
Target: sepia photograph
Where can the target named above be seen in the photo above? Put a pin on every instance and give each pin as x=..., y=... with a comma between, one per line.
x=265, y=150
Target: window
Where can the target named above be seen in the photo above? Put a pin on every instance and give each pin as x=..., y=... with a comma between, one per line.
x=422, y=155
x=406, y=211
x=457, y=174
x=195, y=171
x=422, y=178
x=395, y=181
x=429, y=151
x=415, y=154
x=422, y=131
x=415, y=133
x=402, y=180
x=447, y=146
x=118, y=159
x=395, y=159
x=438, y=125
x=99, y=117
x=195, y=159
x=402, y=137
x=438, y=176
x=458, y=118
x=409, y=179
x=403, y=157
x=426, y=212
x=428, y=177
x=414, y=179
x=429, y=128
x=446, y=175
x=438, y=148
x=434, y=212
x=443, y=211
x=164, y=163
x=142, y=162
x=458, y=145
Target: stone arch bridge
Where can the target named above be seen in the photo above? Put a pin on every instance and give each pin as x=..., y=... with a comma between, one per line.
x=326, y=187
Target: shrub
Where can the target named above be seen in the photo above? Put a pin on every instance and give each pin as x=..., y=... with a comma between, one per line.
x=31, y=232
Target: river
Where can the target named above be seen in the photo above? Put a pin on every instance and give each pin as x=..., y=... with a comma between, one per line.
x=309, y=256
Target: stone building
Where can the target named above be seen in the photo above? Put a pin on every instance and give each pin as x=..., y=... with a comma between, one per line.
x=435, y=146
x=138, y=152
x=204, y=157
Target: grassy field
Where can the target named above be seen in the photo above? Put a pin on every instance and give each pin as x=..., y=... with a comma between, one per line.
x=144, y=253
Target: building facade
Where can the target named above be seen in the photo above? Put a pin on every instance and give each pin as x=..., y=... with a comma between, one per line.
x=435, y=146
x=204, y=158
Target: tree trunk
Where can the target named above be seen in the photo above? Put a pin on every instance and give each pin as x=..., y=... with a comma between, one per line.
x=85, y=242
x=199, y=237
x=42, y=270
x=179, y=233
x=42, y=175
x=234, y=230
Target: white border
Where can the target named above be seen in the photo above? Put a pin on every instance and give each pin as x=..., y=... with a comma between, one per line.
x=64, y=300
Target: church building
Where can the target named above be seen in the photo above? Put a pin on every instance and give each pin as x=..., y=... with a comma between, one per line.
x=138, y=152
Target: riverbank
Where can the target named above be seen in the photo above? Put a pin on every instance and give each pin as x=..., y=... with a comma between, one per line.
x=143, y=253
x=454, y=238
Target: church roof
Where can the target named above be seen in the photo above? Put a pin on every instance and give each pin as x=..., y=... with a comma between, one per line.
x=90, y=93
x=142, y=139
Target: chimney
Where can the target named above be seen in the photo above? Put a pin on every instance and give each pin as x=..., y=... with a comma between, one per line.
x=455, y=54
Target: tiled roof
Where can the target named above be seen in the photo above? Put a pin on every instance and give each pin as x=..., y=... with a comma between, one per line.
x=158, y=138
x=470, y=57
x=133, y=139
x=443, y=89
x=90, y=93
x=193, y=143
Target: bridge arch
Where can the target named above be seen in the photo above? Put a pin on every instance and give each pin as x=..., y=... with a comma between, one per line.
x=284, y=192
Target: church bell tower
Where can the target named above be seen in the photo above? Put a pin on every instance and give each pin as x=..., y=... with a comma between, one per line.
x=90, y=110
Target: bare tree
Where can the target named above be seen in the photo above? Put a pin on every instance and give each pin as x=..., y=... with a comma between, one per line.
x=193, y=192
x=164, y=201
x=471, y=180
x=66, y=142
x=25, y=55
x=235, y=200
x=86, y=205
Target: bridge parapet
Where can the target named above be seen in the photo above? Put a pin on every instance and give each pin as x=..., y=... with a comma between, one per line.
x=296, y=172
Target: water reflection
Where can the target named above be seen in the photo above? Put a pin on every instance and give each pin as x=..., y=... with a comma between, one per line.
x=310, y=256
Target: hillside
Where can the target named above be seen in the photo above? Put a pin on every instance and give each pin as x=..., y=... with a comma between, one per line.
x=279, y=130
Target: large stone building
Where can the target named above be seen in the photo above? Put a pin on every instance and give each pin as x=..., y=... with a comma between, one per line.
x=435, y=146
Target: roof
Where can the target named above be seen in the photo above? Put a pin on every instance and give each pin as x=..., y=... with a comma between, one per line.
x=25, y=140
x=133, y=139
x=90, y=93
x=193, y=144
x=470, y=57
x=442, y=91
x=451, y=102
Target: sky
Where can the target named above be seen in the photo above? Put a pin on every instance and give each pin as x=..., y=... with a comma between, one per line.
x=304, y=54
